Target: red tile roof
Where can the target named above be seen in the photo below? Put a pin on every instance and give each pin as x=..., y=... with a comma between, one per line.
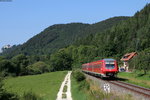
x=128, y=56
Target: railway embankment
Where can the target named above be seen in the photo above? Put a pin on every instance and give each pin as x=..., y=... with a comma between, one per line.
x=118, y=88
x=87, y=89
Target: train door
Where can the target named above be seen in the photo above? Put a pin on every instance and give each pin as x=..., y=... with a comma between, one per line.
x=101, y=67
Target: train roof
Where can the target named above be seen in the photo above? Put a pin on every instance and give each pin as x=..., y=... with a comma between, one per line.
x=109, y=59
x=98, y=61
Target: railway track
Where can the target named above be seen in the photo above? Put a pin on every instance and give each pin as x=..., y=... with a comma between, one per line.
x=137, y=89
x=131, y=87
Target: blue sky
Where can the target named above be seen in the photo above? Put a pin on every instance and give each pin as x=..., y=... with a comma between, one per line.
x=22, y=19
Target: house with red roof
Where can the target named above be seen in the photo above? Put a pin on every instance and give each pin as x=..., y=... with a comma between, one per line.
x=127, y=57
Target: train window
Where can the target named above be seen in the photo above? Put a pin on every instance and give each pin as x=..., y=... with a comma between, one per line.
x=97, y=66
x=89, y=66
x=110, y=65
x=93, y=66
x=100, y=65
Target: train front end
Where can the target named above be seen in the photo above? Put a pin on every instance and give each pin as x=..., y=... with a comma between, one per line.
x=110, y=68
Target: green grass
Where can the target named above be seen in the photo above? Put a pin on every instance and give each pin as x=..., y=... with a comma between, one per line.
x=136, y=78
x=45, y=85
x=65, y=88
x=64, y=95
x=76, y=93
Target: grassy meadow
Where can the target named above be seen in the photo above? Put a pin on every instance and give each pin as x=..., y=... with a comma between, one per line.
x=45, y=85
x=136, y=78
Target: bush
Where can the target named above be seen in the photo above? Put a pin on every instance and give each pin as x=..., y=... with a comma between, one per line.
x=38, y=68
x=4, y=95
x=79, y=76
x=8, y=96
x=84, y=85
x=30, y=96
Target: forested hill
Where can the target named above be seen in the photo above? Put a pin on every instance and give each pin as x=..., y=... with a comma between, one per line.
x=128, y=36
x=59, y=36
x=103, y=25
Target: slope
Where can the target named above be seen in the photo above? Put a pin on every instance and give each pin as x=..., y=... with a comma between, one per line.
x=59, y=36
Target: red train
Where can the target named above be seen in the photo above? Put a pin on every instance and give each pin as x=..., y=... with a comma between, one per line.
x=102, y=68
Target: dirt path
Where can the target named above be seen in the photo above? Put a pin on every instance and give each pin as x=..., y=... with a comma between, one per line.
x=65, y=89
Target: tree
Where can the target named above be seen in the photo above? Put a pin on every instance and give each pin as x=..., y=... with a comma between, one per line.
x=6, y=67
x=20, y=63
x=61, y=61
x=144, y=61
x=141, y=61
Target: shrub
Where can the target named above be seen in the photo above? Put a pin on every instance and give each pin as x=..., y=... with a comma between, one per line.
x=38, y=68
x=84, y=85
x=30, y=96
x=65, y=88
x=79, y=76
x=4, y=95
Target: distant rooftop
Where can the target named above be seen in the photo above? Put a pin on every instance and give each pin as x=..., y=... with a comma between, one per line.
x=128, y=56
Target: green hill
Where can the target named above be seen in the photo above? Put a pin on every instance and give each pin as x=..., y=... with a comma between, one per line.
x=59, y=36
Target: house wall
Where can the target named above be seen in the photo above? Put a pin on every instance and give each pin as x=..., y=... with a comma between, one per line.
x=126, y=65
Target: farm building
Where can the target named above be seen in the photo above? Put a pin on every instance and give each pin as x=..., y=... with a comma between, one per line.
x=127, y=57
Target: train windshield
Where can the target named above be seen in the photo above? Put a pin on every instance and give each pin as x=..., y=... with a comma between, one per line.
x=110, y=65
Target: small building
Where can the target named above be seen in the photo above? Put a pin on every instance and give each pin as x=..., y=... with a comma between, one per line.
x=127, y=57
x=6, y=46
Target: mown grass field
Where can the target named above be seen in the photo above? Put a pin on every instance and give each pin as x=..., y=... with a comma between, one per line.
x=136, y=78
x=45, y=85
